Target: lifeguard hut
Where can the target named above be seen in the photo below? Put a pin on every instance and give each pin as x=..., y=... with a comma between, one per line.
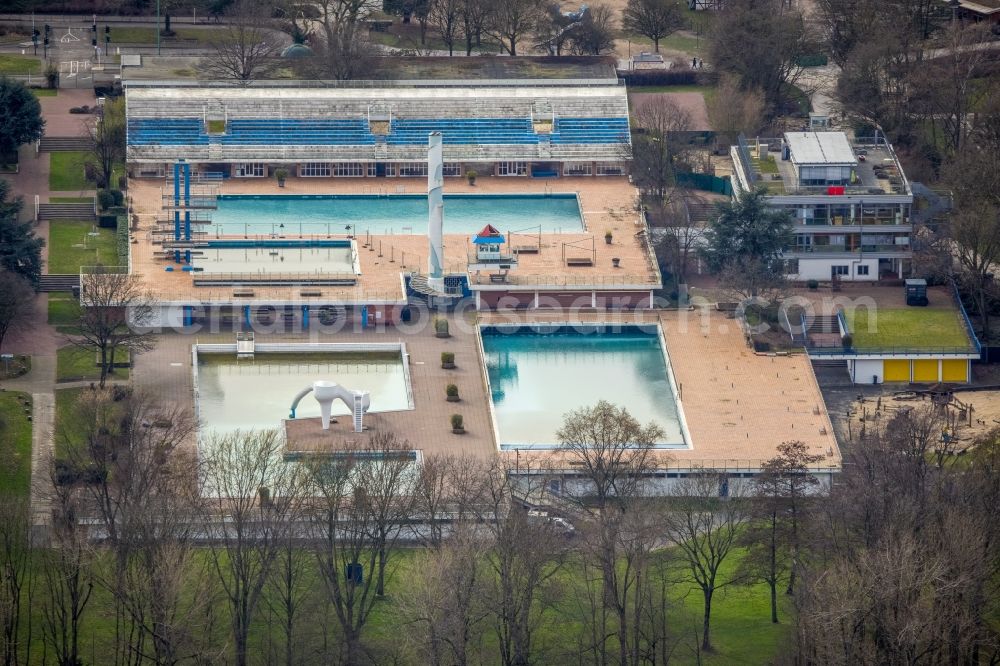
x=489, y=253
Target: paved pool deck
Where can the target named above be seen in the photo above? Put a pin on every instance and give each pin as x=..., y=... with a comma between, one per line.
x=607, y=203
x=739, y=405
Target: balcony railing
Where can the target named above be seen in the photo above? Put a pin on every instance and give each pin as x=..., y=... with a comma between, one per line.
x=822, y=249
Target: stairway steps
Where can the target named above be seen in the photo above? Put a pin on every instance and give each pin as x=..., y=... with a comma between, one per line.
x=56, y=144
x=66, y=211
x=58, y=282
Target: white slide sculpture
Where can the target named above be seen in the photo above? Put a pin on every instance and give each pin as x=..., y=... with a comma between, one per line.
x=326, y=392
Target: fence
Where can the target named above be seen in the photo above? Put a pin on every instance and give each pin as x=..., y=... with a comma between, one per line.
x=706, y=182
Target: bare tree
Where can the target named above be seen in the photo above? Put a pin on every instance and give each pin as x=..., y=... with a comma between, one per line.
x=67, y=578
x=446, y=17
x=705, y=518
x=511, y=21
x=615, y=457
x=343, y=51
x=444, y=600
x=761, y=43
x=256, y=496
x=114, y=313
x=17, y=302
x=654, y=19
x=773, y=539
x=684, y=229
x=364, y=502
x=474, y=15
x=524, y=559
x=16, y=565
x=732, y=110
x=107, y=134
x=595, y=34
x=132, y=458
x=245, y=49
x=655, y=147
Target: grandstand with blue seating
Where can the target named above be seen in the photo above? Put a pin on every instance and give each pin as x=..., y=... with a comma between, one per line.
x=506, y=127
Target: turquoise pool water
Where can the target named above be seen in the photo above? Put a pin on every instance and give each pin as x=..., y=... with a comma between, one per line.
x=240, y=215
x=536, y=378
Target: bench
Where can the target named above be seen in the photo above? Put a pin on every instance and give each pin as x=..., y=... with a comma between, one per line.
x=498, y=277
x=579, y=261
x=526, y=249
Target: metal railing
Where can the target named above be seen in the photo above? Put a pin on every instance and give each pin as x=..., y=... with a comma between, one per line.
x=834, y=349
x=965, y=318
x=381, y=83
x=591, y=281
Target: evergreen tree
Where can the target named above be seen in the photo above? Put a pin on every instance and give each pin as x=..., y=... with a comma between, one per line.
x=20, y=249
x=20, y=117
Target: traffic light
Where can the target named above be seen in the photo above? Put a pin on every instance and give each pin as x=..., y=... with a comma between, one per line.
x=107, y=34
x=93, y=41
x=48, y=29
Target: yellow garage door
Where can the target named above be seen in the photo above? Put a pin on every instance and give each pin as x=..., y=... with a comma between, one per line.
x=955, y=370
x=925, y=372
x=896, y=371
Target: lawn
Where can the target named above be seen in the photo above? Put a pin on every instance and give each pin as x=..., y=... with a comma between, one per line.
x=71, y=246
x=66, y=172
x=89, y=200
x=74, y=364
x=19, y=64
x=137, y=35
x=15, y=443
x=45, y=92
x=65, y=401
x=907, y=327
x=63, y=311
x=18, y=366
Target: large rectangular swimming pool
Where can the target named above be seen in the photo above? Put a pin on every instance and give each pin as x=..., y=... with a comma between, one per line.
x=537, y=376
x=294, y=215
x=257, y=393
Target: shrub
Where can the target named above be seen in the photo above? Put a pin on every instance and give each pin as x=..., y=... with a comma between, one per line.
x=119, y=197
x=665, y=77
x=457, y=422
x=52, y=75
x=441, y=326
x=447, y=357
x=812, y=284
x=107, y=221
x=847, y=340
x=451, y=391
x=471, y=175
x=105, y=199
x=281, y=173
x=79, y=109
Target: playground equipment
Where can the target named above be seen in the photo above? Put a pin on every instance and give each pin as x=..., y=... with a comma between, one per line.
x=326, y=392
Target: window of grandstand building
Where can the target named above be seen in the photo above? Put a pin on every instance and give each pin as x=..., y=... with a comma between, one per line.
x=372, y=169
x=248, y=170
x=584, y=169
x=512, y=168
x=410, y=169
x=348, y=169
x=314, y=170
x=452, y=169
x=610, y=169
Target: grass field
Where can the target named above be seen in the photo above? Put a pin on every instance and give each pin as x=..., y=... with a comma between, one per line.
x=66, y=172
x=15, y=443
x=71, y=246
x=62, y=311
x=71, y=199
x=45, y=92
x=74, y=364
x=907, y=327
x=139, y=35
x=19, y=64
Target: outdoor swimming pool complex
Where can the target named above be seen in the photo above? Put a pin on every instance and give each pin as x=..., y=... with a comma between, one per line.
x=257, y=393
x=538, y=375
x=294, y=215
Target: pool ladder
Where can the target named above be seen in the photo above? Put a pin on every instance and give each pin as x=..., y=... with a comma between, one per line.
x=359, y=412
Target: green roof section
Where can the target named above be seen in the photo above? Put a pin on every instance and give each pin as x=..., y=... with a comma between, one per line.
x=908, y=328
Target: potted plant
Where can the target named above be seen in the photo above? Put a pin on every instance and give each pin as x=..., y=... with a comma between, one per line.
x=457, y=424
x=471, y=175
x=448, y=360
x=451, y=392
x=813, y=285
x=281, y=174
x=608, y=236
x=616, y=262
x=441, y=327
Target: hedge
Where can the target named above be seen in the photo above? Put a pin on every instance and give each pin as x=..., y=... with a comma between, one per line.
x=122, y=238
x=664, y=77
